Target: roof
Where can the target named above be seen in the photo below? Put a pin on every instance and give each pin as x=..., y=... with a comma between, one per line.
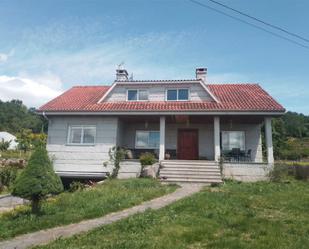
x=231, y=97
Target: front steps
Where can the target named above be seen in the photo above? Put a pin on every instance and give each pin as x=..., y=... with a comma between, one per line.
x=190, y=171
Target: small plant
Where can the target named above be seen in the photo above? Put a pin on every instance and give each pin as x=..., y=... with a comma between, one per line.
x=8, y=175
x=4, y=145
x=116, y=155
x=147, y=158
x=76, y=186
x=37, y=180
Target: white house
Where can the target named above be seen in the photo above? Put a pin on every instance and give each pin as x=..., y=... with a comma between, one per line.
x=191, y=122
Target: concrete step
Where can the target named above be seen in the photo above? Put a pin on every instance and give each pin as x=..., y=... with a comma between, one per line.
x=185, y=162
x=189, y=166
x=187, y=174
x=197, y=170
x=181, y=180
x=191, y=176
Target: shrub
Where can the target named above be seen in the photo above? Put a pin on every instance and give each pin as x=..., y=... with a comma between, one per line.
x=76, y=186
x=8, y=175
x=147, y=158
x=37, y=180
x=279, y=172
x=4, y=145
x=116, y=155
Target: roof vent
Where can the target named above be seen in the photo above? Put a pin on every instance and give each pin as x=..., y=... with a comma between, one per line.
x=201, y=73
x=121, y=75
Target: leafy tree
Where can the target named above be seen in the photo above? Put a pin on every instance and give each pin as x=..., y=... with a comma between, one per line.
x=38, y=180
x=24, y=139
x=14, y=116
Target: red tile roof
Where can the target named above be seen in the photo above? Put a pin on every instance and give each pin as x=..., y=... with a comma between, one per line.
x=232, y=97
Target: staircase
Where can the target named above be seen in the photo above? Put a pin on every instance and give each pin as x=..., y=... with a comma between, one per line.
x=190, y=171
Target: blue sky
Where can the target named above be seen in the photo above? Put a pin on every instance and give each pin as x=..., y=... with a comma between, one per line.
x=48, y=46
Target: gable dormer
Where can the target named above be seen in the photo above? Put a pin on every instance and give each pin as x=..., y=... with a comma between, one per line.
x=124, y=89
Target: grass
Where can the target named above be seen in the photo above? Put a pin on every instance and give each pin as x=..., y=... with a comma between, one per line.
x=234, y=216
x=113, y=195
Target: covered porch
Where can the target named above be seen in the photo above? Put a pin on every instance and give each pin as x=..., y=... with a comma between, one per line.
x=235, y=138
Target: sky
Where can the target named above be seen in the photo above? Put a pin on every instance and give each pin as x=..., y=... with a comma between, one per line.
x=46, y=47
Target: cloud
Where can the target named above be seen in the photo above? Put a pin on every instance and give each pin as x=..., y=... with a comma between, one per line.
x=3, y=57
x=32, y=91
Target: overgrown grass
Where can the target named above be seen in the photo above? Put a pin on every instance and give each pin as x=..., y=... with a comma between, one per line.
x=68, y=208
x=236, y=215
x=15, y=154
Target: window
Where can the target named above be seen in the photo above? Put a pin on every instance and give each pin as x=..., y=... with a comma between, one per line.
x=177, y=94
x=233, y=139
x=84, y=134
x=137, y=95
x=147, y=139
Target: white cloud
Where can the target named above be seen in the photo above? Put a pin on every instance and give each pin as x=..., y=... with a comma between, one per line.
x=3, y=57
x=33, y=92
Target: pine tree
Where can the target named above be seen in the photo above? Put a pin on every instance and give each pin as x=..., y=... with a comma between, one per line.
x=37, y=180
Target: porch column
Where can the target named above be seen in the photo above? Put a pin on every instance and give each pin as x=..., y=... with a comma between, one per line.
x=269, y=140
x=162, y=138
x=217, y=152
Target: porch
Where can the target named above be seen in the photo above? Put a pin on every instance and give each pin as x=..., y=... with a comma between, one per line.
x=197, y=137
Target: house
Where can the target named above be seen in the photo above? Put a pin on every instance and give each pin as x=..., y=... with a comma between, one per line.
x=8, y=137
x=192, y=123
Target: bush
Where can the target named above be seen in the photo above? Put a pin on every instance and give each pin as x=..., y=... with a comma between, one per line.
x=116, y=155
x=279, y=172
x=283, y=170
x=147, y=158
x=76, y=186
x=37, y=180
x=8, y=175
x=4, y=145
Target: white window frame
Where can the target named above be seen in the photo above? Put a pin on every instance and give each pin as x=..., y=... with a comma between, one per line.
x=82, y=134
x=148, y=147
x=138, y=90
x=244, y=136
x=177, y=89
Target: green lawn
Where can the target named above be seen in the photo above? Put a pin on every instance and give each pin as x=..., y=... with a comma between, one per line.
x=246, y=215
x=68, y=208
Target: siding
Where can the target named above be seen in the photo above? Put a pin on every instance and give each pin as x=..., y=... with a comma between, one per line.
x=157, y=92
x=78, y=157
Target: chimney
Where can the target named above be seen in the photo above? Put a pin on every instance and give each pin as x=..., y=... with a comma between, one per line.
x=201, y=73
x=121, y=75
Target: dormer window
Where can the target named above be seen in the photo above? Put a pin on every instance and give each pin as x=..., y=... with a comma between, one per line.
x=177, y=94
x=137, y=95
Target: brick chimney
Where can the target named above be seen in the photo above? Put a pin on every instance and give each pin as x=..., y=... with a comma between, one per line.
x=201, y=73
x=121, y=75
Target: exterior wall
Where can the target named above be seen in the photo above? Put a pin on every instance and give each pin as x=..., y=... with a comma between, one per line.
x=247, y=172
x=81, y=158
x=157, y=92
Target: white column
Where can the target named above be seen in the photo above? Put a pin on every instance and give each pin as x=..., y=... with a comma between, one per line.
x=217, y=152
x=162, y=138
x=269, y=140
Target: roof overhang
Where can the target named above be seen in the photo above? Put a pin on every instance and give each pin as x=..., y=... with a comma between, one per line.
x=129, y=113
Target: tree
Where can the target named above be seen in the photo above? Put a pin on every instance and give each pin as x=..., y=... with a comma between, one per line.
x=37, y=180
x=24, y=138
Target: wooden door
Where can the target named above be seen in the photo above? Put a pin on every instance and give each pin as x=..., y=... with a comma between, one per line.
x=187, y=146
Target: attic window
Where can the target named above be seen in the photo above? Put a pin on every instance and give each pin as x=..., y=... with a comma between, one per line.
x=177, y=94
x=137, y=95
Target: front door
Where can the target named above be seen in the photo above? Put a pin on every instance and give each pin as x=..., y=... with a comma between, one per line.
x=187, y=148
